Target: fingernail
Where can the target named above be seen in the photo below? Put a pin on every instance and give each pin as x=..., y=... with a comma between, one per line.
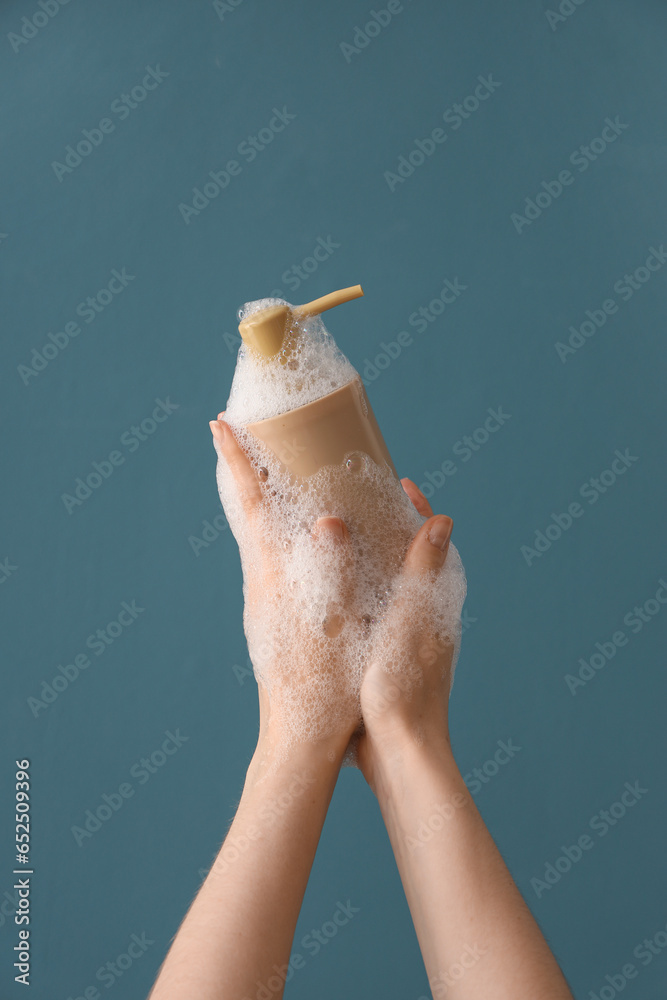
x=335, y=527
x=440, y=532
x=221, y=415
x=218, y=429
x=338, y=529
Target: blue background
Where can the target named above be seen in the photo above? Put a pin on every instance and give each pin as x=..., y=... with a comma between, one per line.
x=182, y=663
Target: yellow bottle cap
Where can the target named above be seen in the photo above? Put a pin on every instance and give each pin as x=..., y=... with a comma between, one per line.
x=265, y=331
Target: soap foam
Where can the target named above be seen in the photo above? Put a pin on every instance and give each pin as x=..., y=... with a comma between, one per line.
x=320, y=611
x=309, y=367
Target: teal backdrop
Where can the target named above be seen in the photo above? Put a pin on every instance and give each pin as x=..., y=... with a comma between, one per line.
x=494, y=175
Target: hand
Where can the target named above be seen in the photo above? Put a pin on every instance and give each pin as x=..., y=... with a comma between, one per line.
x=305, y=693
x=408, y=706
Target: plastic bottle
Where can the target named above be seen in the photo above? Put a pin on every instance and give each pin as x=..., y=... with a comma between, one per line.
x=325, y=431
x=301, y=413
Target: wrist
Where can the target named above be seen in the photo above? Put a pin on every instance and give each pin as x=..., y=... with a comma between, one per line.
x=406, y=753
x=277, y=754
x=405, y=729
x=397, y=709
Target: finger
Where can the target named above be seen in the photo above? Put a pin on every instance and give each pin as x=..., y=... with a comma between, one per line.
x=244, y=475
x=218, y=431
x=428, y=549
x=331, y=527
x=418, y=499
x=333, y=530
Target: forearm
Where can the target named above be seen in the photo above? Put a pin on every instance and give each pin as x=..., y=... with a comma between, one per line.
x=477, y=936
x=242, y=922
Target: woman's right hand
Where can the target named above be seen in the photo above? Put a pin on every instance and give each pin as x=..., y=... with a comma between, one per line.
x=399, y=707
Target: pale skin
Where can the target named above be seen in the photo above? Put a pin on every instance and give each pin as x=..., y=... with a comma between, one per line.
x=477, y=936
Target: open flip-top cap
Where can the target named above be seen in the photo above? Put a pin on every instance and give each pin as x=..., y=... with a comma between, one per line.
x=265, y=331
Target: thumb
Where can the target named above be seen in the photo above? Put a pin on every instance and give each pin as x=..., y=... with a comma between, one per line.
x=242, y=470
x=428, y=549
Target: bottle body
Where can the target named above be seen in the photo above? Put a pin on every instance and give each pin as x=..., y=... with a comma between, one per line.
x=325, y=432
